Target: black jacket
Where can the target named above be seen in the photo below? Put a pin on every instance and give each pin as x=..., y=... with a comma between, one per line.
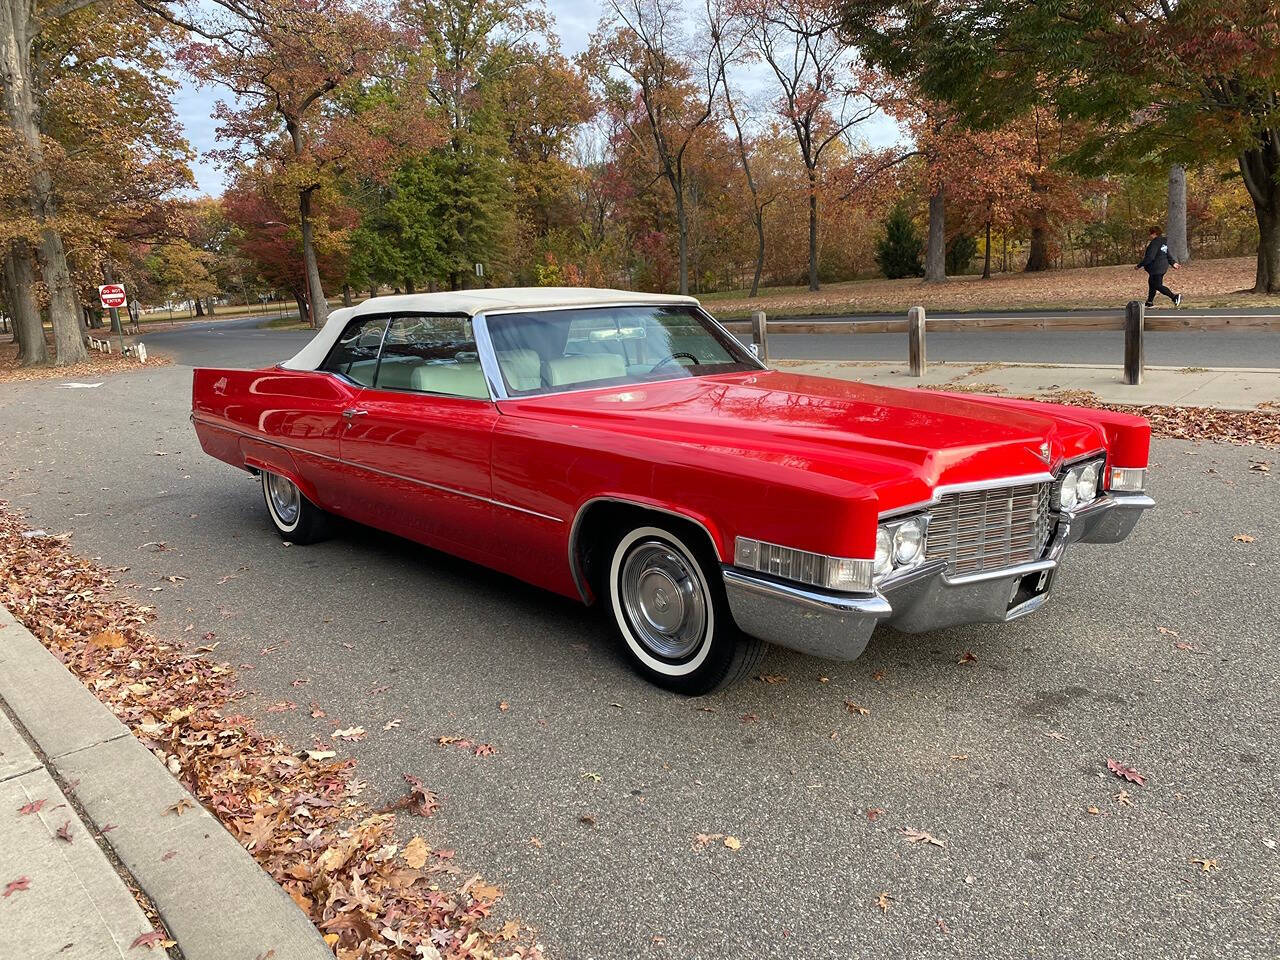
x=1158, y=258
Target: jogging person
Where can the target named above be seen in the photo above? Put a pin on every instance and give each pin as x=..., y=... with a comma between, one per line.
x=1157, y=261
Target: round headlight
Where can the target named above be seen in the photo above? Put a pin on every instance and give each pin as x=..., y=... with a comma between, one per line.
x=1087, y=485
x=908, y=542
x=1068, y=496
x=884, y=551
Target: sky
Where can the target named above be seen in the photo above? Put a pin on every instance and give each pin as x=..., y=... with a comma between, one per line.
x=574, y=21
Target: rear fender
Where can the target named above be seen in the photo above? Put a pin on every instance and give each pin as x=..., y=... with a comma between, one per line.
x=261, y=456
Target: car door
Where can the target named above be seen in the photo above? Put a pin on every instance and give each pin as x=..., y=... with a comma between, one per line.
x=418, y=440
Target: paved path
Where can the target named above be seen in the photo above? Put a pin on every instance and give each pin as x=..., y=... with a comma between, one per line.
x=239, y=343
x=1002, y=758
x=73, y=905
x=1229, y=388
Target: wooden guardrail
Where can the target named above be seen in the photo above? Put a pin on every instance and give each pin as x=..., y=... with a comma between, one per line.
x=1133, y=322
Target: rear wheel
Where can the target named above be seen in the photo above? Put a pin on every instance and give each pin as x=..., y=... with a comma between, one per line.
x=669, y=606
x=295, y=518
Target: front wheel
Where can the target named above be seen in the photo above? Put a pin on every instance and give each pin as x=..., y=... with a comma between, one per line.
x=295, y=518
x=669, y=605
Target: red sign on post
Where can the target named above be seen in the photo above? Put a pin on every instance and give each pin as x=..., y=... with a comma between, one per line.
x=112, y=295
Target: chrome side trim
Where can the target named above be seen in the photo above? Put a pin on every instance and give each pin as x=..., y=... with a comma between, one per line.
x=384, y=473
x=575, y=569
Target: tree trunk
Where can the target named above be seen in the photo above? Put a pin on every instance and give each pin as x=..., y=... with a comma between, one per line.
x=208, y=306
x=28, y=329
x=1038, y=256
x=755, y=280
x=408, y=285
x=346, y=294
x=373, y=291
x=315, y=289
x=935, y=258
x=1260, y=169
x=17, y=89
x=813, y=230
x=199, y=307
x=986, y=254
x=682, y=227
x=300, y=299
x=1176, y=229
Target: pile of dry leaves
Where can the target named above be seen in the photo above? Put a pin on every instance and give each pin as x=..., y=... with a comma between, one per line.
x=297, y=811
x=98, y=365
x=1243, y=427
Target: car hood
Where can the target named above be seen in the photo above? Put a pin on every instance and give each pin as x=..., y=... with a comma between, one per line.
x=901, y=442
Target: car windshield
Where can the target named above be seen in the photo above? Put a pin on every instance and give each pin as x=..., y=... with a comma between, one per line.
x=554, y=350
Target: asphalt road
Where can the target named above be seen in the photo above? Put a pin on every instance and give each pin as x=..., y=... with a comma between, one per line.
x=1001, y=758
x=239, y=343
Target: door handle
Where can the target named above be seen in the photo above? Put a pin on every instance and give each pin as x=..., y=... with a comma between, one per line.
x=354, y=412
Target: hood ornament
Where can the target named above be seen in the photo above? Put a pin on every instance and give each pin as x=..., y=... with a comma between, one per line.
x=1045, y=453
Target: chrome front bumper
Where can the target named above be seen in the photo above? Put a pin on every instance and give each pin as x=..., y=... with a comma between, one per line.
x=838, y=626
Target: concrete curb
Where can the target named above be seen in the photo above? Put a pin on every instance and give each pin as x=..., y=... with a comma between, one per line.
x=214, y=898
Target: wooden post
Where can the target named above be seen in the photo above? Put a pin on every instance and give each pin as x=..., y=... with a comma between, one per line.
x=915, y=341
x=1135, y=318
x=760, y=334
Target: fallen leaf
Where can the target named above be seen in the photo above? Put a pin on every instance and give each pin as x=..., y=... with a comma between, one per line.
x=106, y=640
x=883, y=902
x=1168, y=631
x=1122, y=798
x=415, y=853
x=13, y=886
x=968, y=657
x=733, y=843
x=319, y=755
x=482, y=891
x=391, y=725
x=587, y=819
x=349, y=733
x=749, y=718
x=64, y=832
x=1126, y=773
x=922, y=836
x=317, y=713
x=504, y=706
x=510, y=930
x=183, y=803
x=485, y=750
x=1263, y=466
x=152, y=938
x=1206, y=866
x=32, y=807
x=591, y=776
x=878, y=676
x=1094, y=811
x=1243, y=538
x=855, y=708
x=771, y=678
x=873, y=812
x=168, y=855
x=536, y=842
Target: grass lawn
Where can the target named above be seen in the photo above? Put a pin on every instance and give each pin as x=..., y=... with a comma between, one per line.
x=1203, y=283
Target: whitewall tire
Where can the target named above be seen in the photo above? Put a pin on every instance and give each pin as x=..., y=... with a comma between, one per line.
x=668, y=604
x=295, y=518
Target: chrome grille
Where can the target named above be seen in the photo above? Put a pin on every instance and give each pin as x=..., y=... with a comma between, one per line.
x=981, y=530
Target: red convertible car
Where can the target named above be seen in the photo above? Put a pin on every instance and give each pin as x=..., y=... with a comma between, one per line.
x=626, y=449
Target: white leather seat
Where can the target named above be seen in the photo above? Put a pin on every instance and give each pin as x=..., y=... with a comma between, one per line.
x=576, y=370
x=522, y=368
x=453, y=379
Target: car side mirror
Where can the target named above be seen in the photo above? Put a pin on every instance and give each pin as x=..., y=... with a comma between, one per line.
x=755, y=349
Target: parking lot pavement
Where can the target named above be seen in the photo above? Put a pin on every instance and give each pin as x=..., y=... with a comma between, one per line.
x=992, y=739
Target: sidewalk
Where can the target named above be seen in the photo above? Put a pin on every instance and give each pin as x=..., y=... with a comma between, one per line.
x=1221, y=388
x=67, y=899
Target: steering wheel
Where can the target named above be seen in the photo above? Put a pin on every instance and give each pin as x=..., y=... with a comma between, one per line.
x=674, y=356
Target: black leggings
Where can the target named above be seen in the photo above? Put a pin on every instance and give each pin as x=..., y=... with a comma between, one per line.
x=1155, y=284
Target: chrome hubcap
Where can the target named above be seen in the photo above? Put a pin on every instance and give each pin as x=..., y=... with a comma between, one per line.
x=664, y=600
x=286, y=501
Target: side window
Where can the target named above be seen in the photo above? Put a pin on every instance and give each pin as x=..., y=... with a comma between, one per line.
x=355, y=355
x=432, y=355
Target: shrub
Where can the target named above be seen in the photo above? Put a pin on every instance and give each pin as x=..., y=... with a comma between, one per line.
x=898, y=249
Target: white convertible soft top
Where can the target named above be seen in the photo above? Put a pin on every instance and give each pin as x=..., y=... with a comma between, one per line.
x=470, y=303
